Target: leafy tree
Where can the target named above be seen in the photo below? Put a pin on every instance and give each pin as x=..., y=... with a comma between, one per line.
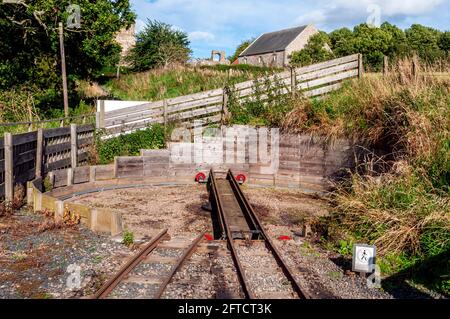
x=373, y=43
x=342, y=42
x=424, y=41
x=398, y=46
x=169, y=53
x=147, y=53
x=317, y=50
x=29, y=43
x=444, y=42
x=241, y=47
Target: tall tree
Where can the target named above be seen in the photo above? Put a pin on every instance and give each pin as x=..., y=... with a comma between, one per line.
x=148, y=52
x=373, y=43
x=316, y=50
x=424, y=41
x=342, y=42
x=29, y=42
x=398, y=46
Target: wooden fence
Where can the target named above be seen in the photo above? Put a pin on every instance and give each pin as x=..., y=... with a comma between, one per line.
x=311, y=81
x=26, y=156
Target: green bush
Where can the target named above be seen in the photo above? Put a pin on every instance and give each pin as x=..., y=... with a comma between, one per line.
x=128, y=238
x=152, y=137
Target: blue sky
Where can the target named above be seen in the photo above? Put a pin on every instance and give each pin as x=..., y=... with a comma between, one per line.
x=223, y=24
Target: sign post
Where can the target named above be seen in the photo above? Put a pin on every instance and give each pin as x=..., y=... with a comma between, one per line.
x=363, y=258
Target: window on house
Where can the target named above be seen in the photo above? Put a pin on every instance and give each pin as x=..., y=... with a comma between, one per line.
x=274, y=58
x=259, y=60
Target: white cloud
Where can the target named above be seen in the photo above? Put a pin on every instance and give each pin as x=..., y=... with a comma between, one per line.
x=201, y=36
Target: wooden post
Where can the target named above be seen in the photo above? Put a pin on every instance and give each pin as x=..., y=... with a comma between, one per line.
x=415, y=66
x=101, y=116
x=63, y=70
x=293, y=82
x=165, y=112
x=73, y=146
x=39, y=152
x=224, y=105
x=385, y=65
x=360, y=66
x=9, y=167
x=30, y=127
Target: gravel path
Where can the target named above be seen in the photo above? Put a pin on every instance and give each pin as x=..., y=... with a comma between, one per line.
x=147, y=210
x=34, y=261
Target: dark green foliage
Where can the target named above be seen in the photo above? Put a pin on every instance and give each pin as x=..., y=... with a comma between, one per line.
x=317, y=50
x=342, y=42
x=158, y=45
x=444, y=42
x=152, y=137
x=29, y=49
x=424, y=41
x=374, y=43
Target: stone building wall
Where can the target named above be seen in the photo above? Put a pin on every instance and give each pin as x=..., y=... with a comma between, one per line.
x=268, y=59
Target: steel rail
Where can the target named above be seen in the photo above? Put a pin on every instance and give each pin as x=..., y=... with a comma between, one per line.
x=188, y=253
x=240, y=271
x=268, y=242
x=109, y=286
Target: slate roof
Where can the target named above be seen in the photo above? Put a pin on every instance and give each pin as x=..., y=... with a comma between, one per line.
x=273, y=41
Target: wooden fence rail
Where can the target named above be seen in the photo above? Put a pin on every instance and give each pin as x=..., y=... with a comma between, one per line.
x=313, y=80
x=26, y=156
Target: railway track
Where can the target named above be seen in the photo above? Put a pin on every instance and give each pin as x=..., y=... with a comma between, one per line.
x=261, y=270
x=148, y=273
x=251, y=256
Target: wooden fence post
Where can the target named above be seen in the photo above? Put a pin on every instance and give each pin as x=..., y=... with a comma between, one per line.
x=73, y=146
x=224, y=105
x=385, y=65
x=293, y=82
x=165, y=112
x=100, y=116
x=9, y=167
x=415, y=66
x=360, y=66
x=39, y=152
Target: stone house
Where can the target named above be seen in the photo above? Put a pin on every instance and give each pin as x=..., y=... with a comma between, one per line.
x=275, y=48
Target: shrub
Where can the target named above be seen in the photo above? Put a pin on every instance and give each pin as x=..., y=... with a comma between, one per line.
x=399, y=201
x=152, y=137
x=128, y=238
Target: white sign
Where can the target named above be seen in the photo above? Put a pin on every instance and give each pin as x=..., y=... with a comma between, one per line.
x=363, y=258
